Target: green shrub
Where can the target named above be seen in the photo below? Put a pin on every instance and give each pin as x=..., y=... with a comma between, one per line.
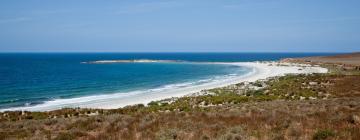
x=164, y=104
x=257, y=93
x=39, y=115
x=323, y=134
x=153, y=103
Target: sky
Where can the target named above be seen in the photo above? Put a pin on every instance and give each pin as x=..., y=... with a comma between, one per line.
x=179, y=25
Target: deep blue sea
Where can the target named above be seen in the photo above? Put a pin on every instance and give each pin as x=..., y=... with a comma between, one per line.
x=28, y=79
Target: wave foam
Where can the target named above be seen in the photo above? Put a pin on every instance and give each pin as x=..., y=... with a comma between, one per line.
x=95, y=99
x=110, y=101
x=129, y=61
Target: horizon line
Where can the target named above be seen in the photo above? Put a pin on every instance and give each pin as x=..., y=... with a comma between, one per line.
x=173, y=52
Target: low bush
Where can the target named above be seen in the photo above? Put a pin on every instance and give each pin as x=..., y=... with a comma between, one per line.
x=323, y=134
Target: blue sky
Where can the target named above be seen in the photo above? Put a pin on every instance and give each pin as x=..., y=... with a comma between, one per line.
x=179, y=26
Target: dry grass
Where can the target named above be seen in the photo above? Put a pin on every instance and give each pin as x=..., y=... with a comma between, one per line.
x=332, y=118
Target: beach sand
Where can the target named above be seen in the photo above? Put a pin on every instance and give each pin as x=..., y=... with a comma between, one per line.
x=260, y=70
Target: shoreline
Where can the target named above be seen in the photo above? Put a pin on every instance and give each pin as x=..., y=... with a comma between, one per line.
x=260, y=70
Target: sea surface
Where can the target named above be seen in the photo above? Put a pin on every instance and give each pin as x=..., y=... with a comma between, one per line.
x=28, y=79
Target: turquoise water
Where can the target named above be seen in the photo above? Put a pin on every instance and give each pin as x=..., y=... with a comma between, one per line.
x=28, y=79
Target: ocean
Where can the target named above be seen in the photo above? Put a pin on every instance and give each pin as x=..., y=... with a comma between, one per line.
x=30, y=79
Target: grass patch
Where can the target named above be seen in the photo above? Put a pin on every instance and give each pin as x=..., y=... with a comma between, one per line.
x=323, y=134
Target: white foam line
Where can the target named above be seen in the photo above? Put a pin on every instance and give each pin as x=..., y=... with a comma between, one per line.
x=112, y=101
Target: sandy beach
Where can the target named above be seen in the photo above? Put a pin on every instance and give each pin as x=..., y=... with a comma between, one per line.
x=260, y=70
